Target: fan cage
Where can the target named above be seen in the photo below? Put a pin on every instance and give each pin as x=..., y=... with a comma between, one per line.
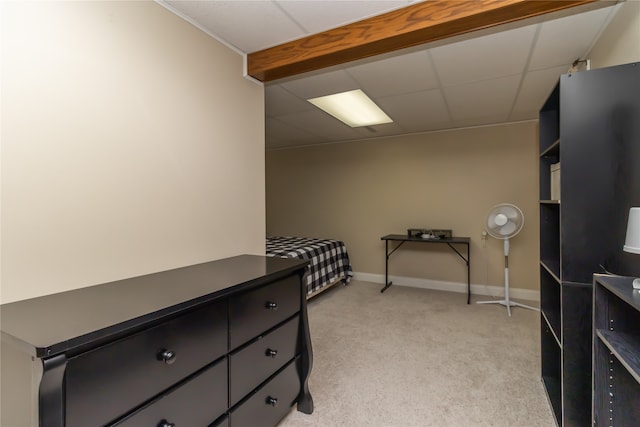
x=504, y=221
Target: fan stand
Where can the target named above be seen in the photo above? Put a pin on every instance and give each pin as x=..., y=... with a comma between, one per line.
x=506, y=301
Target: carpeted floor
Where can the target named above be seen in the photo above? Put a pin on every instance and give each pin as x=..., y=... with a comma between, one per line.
x=416, y=357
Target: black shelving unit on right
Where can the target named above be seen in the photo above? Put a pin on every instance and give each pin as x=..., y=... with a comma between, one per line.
x=616, y=351
x=588, y=125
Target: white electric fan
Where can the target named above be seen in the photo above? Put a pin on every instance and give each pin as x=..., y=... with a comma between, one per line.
x=504, y=221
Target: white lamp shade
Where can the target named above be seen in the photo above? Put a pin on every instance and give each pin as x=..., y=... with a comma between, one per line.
x=632, y=242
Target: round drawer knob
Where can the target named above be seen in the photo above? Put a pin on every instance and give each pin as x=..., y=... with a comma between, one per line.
x=272, y=401
x=167, y=356
x=272, y=305
x=165, y=423
x=271, y=353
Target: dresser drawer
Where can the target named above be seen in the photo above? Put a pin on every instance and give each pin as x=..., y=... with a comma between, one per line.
x=197, y=402
x=269, y=404
x=108, y=382
x=254, y=312
x=252, y=365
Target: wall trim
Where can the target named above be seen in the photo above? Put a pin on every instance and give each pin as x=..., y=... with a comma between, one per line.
x=440, y=285
x=193, y=22
x=374, y=138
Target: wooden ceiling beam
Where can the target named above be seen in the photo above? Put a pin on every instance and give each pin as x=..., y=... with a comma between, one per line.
x=413, y=25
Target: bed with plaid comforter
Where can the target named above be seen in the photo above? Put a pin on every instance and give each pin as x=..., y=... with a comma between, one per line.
x=329, y=260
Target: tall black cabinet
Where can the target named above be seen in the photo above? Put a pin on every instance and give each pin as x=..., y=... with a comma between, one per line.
x=590, y=125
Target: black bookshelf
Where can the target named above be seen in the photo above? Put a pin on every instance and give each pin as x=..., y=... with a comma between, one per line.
x=616, y=351
x=589, y=125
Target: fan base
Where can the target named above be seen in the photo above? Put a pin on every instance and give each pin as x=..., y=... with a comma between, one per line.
x=508, y=304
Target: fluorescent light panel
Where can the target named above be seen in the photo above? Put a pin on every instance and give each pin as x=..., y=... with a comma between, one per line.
x=354, y=108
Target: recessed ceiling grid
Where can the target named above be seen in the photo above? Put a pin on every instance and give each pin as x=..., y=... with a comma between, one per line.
x=492, y=78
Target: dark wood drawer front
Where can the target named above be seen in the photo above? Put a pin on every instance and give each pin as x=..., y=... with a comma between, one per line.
x=198, y=402
x=110, y=381
x=261, y=410
x=254, y=364
x=254, y=312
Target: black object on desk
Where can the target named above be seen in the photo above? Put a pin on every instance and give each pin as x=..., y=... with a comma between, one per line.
x=402, y=239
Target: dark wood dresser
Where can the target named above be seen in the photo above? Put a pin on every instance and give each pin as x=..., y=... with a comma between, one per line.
x=223, y=343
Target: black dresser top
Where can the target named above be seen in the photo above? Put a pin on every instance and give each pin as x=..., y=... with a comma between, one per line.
x=57, y=323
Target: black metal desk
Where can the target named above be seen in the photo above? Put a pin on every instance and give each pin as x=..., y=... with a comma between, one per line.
x=402, y=239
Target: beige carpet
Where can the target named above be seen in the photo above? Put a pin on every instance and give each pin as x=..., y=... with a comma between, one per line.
x=415, y=357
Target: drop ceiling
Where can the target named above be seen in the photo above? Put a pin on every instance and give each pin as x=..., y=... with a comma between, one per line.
x=489, y=77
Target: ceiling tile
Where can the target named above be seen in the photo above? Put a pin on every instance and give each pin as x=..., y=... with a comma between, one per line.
x=377, y=131
x=321, y=84
x=564, y=40
x=319, y=15
x=319, y=123
x=523, y=115
x=489, y=98
x=279, y=101
x=478, y=121
x=411, y=72
x=536, y=87
x=262, y=23
x=416, y=111
x=280, y=134
x=482, y=58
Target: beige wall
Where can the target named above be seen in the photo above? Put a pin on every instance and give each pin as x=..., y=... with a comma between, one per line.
x=131, y=143
x=620, y=42
x=360, y=191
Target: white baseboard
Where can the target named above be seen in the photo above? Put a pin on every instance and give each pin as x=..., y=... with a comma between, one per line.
x=440, y=285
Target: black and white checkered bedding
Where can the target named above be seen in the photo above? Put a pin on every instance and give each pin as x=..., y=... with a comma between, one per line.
x=329, y=260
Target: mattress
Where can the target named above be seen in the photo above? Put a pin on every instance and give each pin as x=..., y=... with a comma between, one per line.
x=329, y=260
